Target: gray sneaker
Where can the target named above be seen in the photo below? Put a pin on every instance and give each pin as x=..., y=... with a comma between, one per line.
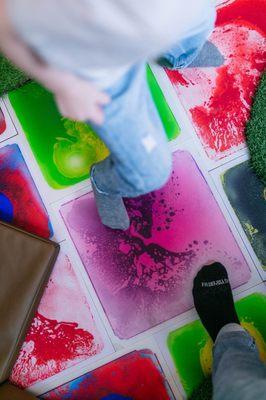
x=209, y=56
x=111, y=209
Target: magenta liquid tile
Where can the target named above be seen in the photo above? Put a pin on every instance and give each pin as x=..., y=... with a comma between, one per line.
x=144, y=276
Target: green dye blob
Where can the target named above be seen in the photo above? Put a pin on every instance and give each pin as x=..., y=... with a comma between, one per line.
x=73, y=160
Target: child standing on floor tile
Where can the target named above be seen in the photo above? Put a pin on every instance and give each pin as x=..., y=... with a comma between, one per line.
x=91, y=54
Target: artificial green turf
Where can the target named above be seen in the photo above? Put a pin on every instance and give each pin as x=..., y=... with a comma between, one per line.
x=10, y=77
x=203, y=391
x=256, y=131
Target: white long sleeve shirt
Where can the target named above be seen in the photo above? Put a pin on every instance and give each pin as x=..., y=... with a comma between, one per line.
x=100, y=39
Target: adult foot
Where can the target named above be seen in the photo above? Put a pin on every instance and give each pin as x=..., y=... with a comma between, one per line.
x=213, y=298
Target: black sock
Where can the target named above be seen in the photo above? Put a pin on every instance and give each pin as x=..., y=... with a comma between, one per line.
x=213, y=298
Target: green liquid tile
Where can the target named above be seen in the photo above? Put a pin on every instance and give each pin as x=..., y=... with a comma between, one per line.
x=64, y=149
x=170, y=124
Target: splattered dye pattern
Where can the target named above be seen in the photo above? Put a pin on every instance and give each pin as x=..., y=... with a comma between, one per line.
x=2, y=122
x=144, y=276
x=135, y=376
x=247, y=195
x=63, y=332
x=20, y=202
x=195, y=339
x=218, y=99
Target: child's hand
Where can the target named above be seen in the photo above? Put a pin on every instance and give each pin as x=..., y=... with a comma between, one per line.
x=80, y=100
x=76, y=98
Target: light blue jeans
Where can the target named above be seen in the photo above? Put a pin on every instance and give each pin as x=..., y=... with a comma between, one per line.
x=238, y=373
x=140, y=159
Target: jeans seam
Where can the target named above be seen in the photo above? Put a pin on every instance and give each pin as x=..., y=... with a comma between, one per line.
x=95, y=184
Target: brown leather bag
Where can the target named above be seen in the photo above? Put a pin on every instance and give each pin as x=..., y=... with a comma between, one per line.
x=26, y=262
x=10, y=392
